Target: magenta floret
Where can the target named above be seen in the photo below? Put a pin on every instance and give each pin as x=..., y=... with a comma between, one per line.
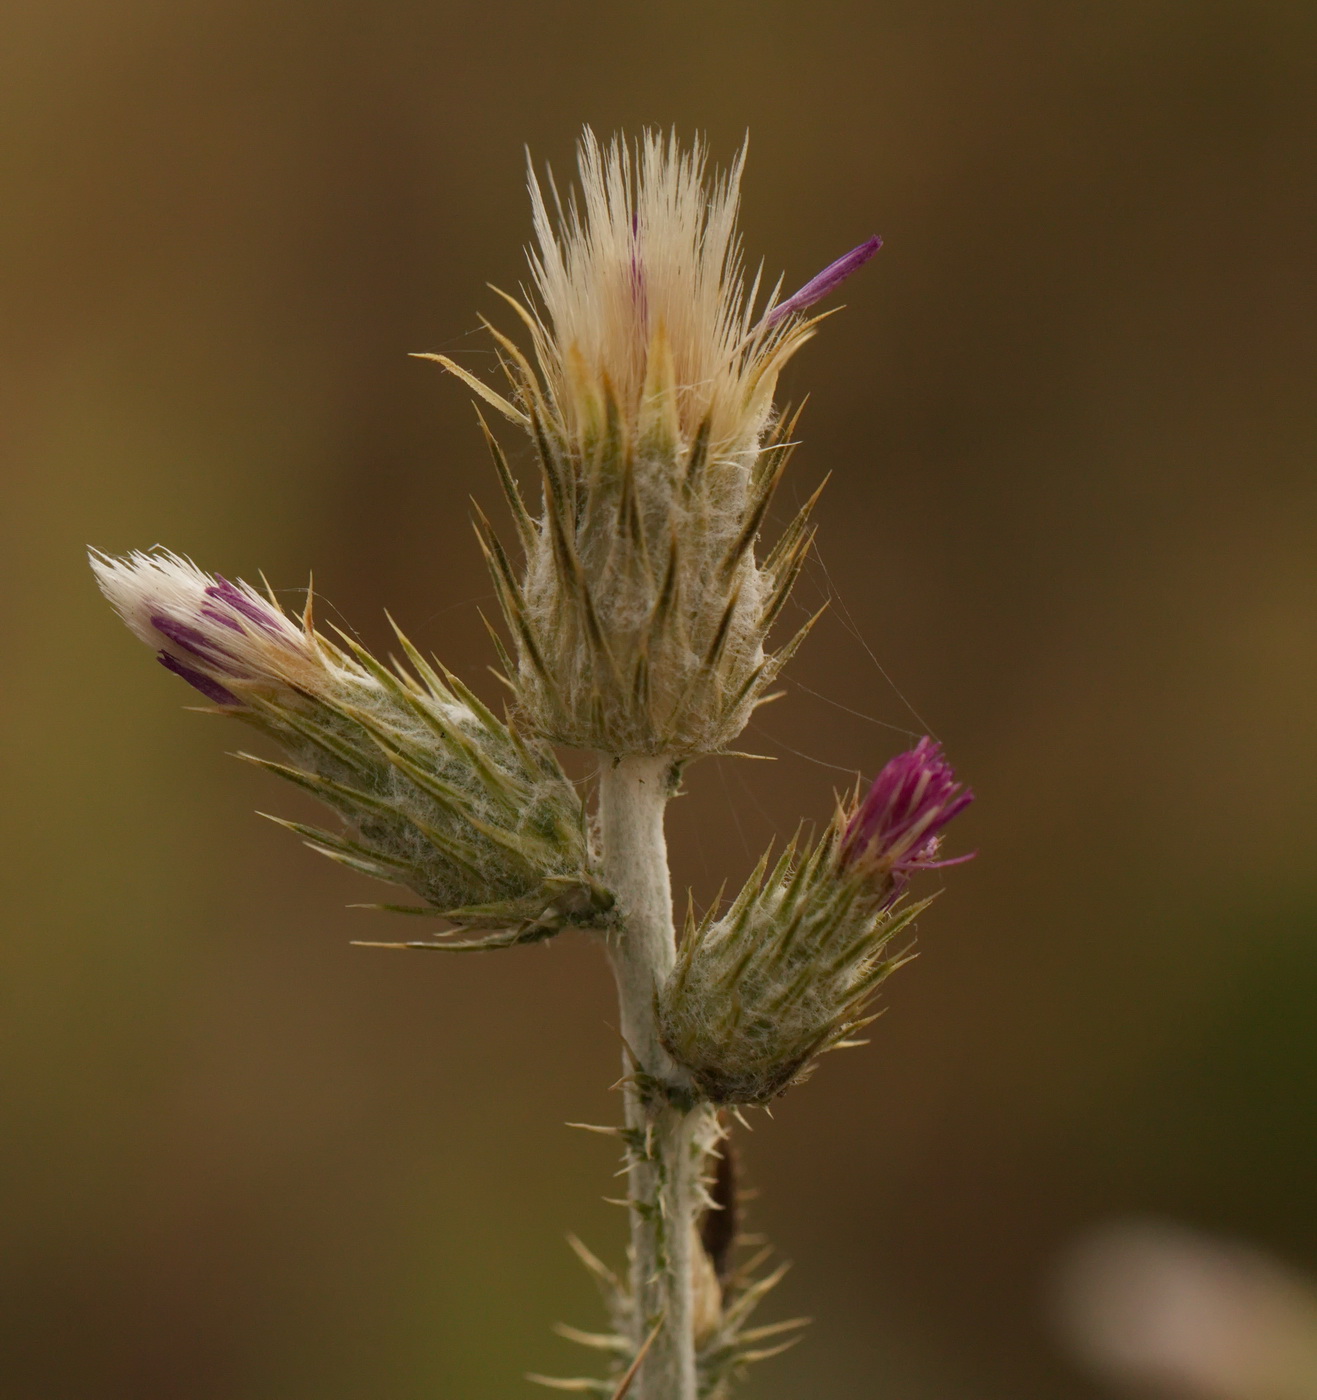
x=896, y=828
x=824, y=282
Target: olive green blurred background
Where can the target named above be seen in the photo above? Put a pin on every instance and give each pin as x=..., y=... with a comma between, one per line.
x=1070, y=417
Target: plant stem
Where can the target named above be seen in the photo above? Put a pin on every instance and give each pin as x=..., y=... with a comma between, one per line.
x=668, y=1138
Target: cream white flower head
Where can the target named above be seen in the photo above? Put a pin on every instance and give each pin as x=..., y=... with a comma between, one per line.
x=642, y=286
x=644, y=306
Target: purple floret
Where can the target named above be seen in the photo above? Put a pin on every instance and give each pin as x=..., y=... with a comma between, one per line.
x=188, y=637
x=211, y=689
x=225, y=592
x=825, y=282
x=898, y=824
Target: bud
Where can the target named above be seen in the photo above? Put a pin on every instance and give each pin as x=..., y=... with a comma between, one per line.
x=641, y=618
x=436, y=792
x=789, y=971
x=897, y=828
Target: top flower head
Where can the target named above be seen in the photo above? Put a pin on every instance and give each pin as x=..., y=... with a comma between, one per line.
x=896, y=829
x=641, y=620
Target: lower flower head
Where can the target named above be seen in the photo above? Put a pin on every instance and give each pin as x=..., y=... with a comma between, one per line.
x=435, y=792
x=896, y=828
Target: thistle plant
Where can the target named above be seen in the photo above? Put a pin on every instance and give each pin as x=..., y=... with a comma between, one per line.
x=640, y=600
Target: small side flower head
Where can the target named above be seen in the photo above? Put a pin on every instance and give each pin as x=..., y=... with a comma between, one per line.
x=642, y=617
x=435, y=791
x=789, y=971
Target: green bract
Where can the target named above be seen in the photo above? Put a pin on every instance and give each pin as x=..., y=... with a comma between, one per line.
x=441, y=796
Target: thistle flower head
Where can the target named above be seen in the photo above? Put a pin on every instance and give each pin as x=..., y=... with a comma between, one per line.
x=642, y=616
x=437, y=793
x=896, y=828
x=788, y=971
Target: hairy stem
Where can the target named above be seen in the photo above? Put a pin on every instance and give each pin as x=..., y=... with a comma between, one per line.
x=668, y=1137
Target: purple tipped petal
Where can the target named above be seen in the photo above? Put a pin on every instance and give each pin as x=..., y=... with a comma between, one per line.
x=211, y=689
x=826, y=282
x=638, y=294
x=897, y=826
x=190, y=638
x=223, y=591
x=224, y=619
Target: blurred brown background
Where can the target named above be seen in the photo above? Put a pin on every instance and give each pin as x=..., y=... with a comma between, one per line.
x=1070, y=415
